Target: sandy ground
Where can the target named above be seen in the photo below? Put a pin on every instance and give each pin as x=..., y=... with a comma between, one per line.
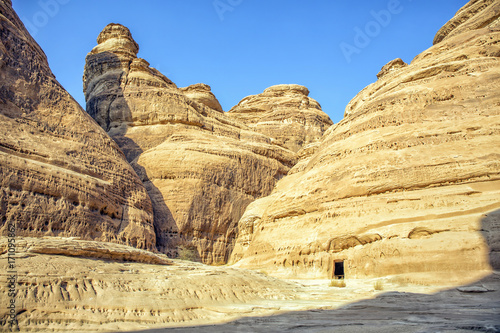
x=58, y=291
x=410, y=309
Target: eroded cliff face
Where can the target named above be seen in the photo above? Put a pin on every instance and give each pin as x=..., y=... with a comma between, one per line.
x=285, y=113
x=60, y=174
x=404, y=183
x=201, y=167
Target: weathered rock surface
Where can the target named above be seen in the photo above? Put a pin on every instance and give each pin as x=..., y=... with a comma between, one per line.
x=119, y=288
x=202, y=93
x=200, y=167
x=285, y=113
x=476, y=14
x=405, y=183
x=409, y=312
x=105, y=292
x=75, y=247
x=60, y=174
x=391, y=66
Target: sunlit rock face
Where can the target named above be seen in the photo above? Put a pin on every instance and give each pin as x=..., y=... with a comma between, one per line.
x=201, y=167
x=285, y=113
x=202, y=93
x=60, y=174
x=407, y=181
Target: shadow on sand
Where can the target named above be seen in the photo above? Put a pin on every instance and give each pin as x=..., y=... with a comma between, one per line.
x=451, y=310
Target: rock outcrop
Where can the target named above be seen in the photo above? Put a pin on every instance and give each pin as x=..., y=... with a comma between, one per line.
x=285, y=113
x=476, y=14
x=100, y=292
x=405, y=182
x=75, y=247
x=116, y=288
x=60, y=174
x=202, y=93
x=200, y=167
x=391, y=66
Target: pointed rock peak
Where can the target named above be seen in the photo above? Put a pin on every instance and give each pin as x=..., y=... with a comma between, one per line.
x=116, y=38
x=287, y=89
x=391, y=66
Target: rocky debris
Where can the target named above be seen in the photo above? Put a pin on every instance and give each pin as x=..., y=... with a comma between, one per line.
x=60, y=174
x=285, y=113
x=202, y=93
x=415, y=160
x=391, y=66
x=201, y=168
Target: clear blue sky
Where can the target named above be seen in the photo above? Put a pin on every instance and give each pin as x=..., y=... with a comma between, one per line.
x=241, y=47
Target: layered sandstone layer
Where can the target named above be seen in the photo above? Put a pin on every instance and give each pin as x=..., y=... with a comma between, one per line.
x=201, y=167
x=60, y=174
x=202, y=93
x=285, y=113
x=70, y=285
x=406, y=182
x=113, y=288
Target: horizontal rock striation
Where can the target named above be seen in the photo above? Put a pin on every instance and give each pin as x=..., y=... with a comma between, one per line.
x=202, y=93
x=201, y=168
x=76, y=247
x=285, y=113
x=104, y=292
x=405, y=183
x=476, y=14
x=60, y=174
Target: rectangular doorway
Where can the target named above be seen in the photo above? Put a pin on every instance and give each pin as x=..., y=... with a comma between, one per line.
x=338, y=272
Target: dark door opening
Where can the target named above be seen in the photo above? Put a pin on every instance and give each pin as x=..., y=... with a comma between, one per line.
x=339, y=270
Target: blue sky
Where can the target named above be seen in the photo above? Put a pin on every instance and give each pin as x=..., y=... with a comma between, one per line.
x=240, y=47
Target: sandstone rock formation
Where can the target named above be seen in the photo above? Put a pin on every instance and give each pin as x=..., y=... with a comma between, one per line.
x=118, y=288
x=200, y=167
x=392, y=65
x=404, y=183
x=75, y=247
x=202, y=93
x=102, y=291
x=476, y=14
x=60, y=174
x=284, y=113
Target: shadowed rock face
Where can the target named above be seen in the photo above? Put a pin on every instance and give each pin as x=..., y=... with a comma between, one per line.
x=285, y=113
x=60, y=174
x=201, y=167
x=401, y=183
